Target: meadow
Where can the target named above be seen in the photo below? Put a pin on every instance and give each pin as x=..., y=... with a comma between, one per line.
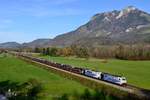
x=136, y=72
x=17, y=70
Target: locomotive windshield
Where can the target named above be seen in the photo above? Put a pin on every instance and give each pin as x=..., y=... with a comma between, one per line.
x=123, y=78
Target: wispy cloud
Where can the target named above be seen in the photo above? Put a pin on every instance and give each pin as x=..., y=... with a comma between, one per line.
x=53, y=12
x=41, y=8
x=60, y=2
x=10, y=36
x=19, y=37
x=5, y=23
x=54, y=2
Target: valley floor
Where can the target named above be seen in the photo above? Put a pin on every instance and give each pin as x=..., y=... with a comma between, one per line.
x=136, y=72
x=17, y=70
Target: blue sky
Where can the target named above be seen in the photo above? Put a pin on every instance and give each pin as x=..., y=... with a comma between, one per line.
x=26, y=20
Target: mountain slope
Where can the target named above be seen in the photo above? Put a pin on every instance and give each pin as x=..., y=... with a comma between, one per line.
x=10, y=45
x=129, y=25
x=37, y=43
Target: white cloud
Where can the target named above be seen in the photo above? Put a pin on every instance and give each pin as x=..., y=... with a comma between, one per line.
x=9, y=36
x=40, y=8
x=20, y=37
x=5, y=23
x=56, y=12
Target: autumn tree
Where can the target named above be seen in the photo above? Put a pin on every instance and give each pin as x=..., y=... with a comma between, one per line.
x=67, y=51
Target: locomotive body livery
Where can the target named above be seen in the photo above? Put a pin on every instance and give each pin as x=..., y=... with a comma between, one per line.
x=114, y=79
x=92, y=74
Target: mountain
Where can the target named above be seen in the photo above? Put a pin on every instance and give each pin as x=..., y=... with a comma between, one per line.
x=37, y=43
x=127, y=26
x=10, y=45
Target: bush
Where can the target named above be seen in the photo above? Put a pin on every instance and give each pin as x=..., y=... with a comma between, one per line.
x=26, y=91
x=87, y=95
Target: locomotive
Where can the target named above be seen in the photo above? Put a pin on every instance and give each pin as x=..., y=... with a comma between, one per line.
x=106, y=77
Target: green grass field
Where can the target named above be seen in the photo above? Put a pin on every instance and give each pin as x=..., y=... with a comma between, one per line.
x=136, y=72
x=17, y=70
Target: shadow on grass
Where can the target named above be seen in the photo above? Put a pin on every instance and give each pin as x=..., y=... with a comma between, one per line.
x=16, y=91
x=87, y=95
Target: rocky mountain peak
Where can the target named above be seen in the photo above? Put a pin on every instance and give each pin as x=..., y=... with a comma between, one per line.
x=127, y=10
x=130, y=8
x=116, y=14
x=119, y=21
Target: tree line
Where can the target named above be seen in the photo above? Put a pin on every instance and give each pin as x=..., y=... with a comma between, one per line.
x=77, y=51
x=125, y=52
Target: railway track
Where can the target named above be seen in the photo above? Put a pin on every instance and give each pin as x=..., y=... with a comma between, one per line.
x=142, y=93
x=89, y=78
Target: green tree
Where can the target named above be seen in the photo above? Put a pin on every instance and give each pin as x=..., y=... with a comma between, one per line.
x=37, y=50
x=44, y=51
x=82, y=52
x=47, y=51
x=86, y=95
x=53, y=51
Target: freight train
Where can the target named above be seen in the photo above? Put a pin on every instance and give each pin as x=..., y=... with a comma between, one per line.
x=115, y=79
